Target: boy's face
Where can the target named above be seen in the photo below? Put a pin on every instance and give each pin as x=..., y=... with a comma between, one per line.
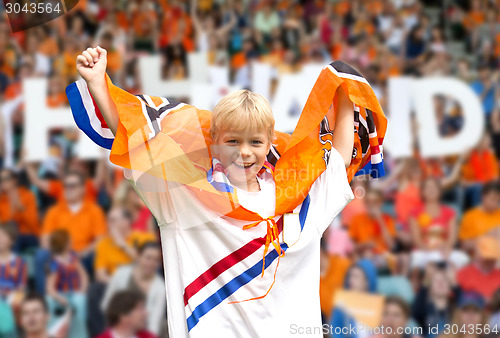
x=242, y=154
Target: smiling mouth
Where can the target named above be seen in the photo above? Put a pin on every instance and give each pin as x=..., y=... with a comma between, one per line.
x=244, y=165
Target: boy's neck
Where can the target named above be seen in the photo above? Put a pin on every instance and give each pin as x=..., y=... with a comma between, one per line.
x=250, y=186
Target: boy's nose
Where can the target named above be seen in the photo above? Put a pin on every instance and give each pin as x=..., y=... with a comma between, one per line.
x=245, y=151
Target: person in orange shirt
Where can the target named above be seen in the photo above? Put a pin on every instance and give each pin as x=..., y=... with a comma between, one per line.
x=54, y=187
x=82, y=219
x=18, y=206
x=480, y=167
x=482, y=220
x=120, y=246
x=373, y=231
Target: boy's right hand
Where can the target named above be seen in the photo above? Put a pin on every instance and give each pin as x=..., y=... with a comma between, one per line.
x=91, y=64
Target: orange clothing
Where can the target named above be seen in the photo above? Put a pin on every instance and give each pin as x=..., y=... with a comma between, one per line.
x=13, y=90
x=473, y=19
x=56, y=190
x=434, y=230
x=332, y=280
x=27, y=219
x=109, y=256
x=341, y=8
x=84, y=226
x=431, y=167
x=81, y=6
x=336, y=51
x=405, y=201
x=9, y=59
x=363, y=229
x=481, y=167
x=374, y=7
x=238, y=60
x=48, y=47
x=122, y=20
x=65, y=64
x=114, y=61
x=356, y=207
x=56, y=100
x=143, y=23
x=477, y=222
x=205, y=5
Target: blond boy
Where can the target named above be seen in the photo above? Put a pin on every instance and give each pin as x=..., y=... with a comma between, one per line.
x=212, y=265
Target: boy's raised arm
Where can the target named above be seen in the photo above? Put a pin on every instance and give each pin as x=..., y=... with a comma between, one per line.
x=343, y=136
x=91, y=66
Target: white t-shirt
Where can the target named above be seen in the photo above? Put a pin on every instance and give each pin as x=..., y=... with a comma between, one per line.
x=210, y=260
x=262, y=202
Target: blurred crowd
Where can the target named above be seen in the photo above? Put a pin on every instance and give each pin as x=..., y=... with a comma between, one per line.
x=79, y=251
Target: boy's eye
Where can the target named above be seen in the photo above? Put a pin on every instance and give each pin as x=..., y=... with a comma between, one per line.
x=257, y=142
x=231, y=141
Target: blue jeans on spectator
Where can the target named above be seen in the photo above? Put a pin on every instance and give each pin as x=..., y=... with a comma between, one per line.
x=42, y=261
x=78, y=302
x=88, y=264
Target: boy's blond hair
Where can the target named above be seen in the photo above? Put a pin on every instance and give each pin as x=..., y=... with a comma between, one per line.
x=240, y=110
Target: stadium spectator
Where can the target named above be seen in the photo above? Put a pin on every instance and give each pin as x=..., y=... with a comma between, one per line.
x=494, y=310
x=126, y=197
x=18, y=206
x=67, y=284
x=126, y=316
x=266, y=20
x=482, y=275
x=436, y=298
x=374, y=232
x=361, y=277
x=395, y=319
x=335, y=262
x=486, y=87
x=143, y=277
x=433, y=227
x=481, y=167
x=13, y=269
x=470, y=313
x=120, y=246
x=82, y=219
x=55, y=187
x=34, y=318
x=114, y=250
x=483, y=219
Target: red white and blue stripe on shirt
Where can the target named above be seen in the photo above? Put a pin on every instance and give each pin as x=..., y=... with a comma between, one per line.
x=237, y=282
